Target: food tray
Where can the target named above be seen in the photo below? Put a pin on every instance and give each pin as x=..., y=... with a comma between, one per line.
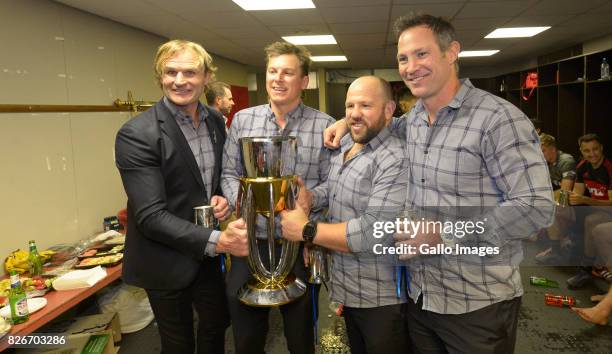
x=99, y=252
x=105, y=261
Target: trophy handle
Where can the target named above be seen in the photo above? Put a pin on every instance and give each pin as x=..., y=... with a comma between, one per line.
x=239, y=203
x=289, y=253
x=254, y=259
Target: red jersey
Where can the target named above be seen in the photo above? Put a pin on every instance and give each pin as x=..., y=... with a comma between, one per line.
x=596, y=180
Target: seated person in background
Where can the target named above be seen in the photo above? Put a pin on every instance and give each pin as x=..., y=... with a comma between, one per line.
x=593, y=188
x=562, y=170
x=559, y=163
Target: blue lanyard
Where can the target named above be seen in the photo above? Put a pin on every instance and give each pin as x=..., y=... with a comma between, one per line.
x=402, y=276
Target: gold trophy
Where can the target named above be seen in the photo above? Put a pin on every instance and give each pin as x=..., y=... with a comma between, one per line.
x=269, y=187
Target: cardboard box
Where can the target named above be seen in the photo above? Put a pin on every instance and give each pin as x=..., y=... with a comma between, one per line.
x=85, y=343
x=96, y=323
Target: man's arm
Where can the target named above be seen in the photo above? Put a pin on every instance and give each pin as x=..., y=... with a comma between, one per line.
x=516, y=165
x=334, y=133
x=332, y=236
x=386, y=200
x=232, y=165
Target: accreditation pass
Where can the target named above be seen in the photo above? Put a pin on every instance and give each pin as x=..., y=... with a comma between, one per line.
x=37, y=340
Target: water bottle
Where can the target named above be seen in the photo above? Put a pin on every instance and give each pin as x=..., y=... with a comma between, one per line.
x=605, y=69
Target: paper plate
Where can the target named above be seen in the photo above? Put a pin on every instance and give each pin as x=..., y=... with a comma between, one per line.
x=34, y=305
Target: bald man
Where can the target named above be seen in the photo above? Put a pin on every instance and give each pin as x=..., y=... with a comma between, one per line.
x=366, y=184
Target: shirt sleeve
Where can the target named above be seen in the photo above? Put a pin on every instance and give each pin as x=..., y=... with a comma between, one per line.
x=516, y=166
x=211, y=245
x=566, y=165
x=232, y=166
x=386, y=200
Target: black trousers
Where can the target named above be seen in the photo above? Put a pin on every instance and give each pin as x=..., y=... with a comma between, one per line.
x=489, y=330
x=173, y=310
x=250, y=324
x=377, y=330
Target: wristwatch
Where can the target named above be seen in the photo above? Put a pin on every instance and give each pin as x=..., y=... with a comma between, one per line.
x=309, y=231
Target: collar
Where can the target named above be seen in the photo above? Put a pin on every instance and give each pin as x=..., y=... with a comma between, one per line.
x=180, y=115
x=295, y=113
x=456, y=102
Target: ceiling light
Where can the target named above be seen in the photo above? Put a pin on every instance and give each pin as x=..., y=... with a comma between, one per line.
x=477, y=53
x=254, y=5
x=306, y=40
x=513, y=32
x=329, y=58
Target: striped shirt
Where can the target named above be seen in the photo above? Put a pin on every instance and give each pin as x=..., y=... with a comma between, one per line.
x=200, y=143
x=304, y=123
x=368, y=187
x=480, y=153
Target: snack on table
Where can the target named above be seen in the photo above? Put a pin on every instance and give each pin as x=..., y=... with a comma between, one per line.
x=114, y=250
x=103, y=261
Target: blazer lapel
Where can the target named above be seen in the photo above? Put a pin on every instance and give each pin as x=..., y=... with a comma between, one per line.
x=169, y=127
x=216, y=138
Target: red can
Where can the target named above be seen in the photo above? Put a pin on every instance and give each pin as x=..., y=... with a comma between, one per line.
x=559, y=300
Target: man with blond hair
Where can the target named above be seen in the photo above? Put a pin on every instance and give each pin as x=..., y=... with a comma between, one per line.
x=169, y=158
x=285, y=115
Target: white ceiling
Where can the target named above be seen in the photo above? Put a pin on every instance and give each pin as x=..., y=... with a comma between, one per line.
x=363, y=28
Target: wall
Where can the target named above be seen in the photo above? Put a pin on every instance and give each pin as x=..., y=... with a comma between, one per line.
x=58, y=179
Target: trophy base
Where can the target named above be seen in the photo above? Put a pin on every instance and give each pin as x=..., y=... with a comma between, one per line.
x=255, y=293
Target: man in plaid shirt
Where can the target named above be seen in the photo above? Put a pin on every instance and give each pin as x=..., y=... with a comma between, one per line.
x=472, y=152
x=366, y=184
x=286, y=78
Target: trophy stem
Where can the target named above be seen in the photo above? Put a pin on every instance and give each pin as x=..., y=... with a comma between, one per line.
x=271, y=229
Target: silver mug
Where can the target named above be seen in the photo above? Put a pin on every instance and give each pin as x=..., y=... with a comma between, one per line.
x=204, y=216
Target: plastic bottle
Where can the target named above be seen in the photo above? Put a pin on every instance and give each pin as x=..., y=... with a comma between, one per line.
x=18, y=300
x=34, y=260
x=605, y=69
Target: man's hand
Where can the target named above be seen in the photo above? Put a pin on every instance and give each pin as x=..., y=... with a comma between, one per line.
x=576, y=199
x=221, y=208
x=234, y=239
x=304, y=197
x=334, y=133
x=430, y=239
x=292, y=223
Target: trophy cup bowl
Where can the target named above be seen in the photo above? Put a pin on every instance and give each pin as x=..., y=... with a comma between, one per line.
x=269, y=187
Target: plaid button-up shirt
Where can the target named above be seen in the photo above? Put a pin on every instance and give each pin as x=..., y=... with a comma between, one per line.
x=480, y=153
x=368, y=187
x=200, y=143
x=305, y=123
